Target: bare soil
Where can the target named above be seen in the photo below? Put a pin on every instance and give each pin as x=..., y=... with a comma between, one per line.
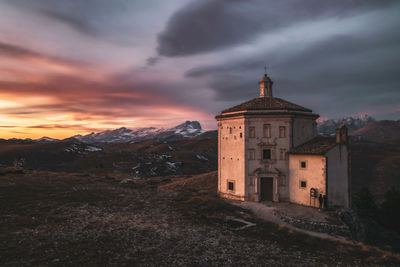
x=65, y=219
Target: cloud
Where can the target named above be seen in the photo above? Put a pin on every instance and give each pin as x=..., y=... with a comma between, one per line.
x=117, y=21
x=79, y=127
x=19, y=52
x=71, y=98
x=152, y=61
x=340, y=75
x=209, y=25
x=77, y=23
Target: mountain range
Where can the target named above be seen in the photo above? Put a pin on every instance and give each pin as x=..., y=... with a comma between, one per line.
x=186, y=130
x=193, y=129
x=328, y=127
x=187, y=149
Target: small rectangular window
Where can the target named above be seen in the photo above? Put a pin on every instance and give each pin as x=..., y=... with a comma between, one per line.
x=252, y=154
x=282, y=180
x=267, y=130
x=282, y=131
x=303, y=184
x=251, y=180
x=282, y=154
x=231, y=186
x=230, y=130
x=266, y=153
x=252, y=132
x=303, y=164
x=241, y=135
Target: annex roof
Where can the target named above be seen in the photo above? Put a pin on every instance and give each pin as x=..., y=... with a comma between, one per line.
x=317, y=146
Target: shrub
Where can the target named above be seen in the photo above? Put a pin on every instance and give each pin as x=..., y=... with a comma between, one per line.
x=390, y=209
x=364, y=203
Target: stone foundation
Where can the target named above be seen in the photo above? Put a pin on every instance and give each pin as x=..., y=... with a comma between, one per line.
x=322, y=227
x=231, y=196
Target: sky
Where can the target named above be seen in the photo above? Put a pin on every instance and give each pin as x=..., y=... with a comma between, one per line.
x=78, y=66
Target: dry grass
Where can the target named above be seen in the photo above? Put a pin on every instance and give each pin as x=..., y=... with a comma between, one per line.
x=68, y=219
x=206, y=182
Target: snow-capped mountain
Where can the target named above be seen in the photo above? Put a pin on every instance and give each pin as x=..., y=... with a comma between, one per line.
x=187, y=129
x=114, y=136
x=45, y=139
x=328, y=127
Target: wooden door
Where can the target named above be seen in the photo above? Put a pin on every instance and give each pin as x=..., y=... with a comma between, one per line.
x=267, y=188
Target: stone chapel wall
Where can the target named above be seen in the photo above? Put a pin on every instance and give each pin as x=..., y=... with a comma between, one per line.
x=313, y=175
x=231, y=162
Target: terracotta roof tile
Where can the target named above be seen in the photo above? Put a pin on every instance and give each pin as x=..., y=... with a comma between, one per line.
x=317, y=146
x=267, y=103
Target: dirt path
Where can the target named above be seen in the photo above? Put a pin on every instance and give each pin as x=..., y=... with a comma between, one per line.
x=266, y=213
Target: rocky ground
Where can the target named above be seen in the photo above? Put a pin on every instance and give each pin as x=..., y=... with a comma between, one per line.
x=52, y=218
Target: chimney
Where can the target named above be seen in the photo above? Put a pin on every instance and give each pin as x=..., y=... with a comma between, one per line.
x=341, y=134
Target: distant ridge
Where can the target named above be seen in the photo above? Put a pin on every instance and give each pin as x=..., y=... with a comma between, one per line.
x=186, y=130
x=328, y=127
x=385, y=131
x=193, y=129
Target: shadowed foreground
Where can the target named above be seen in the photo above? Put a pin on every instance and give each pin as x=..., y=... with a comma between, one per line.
x=66, y=219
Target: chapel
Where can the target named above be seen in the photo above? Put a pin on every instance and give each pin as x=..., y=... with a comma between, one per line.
x=268, y=150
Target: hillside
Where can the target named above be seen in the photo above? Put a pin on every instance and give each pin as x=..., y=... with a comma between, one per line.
x=375, y=164
x=375, y=157
x=385, y=131
x=143, y=159
x=62, y=219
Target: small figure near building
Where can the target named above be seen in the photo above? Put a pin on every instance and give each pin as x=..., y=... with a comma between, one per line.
x=325, y=201
x=320, y=200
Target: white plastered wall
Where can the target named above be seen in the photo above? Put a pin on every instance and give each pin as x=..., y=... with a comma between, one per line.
x=314, y=175
x=231, y=157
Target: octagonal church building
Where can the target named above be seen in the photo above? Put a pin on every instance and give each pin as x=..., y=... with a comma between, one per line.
x=268, y=150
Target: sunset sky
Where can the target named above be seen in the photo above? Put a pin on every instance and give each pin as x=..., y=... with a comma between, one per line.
x=75, y=66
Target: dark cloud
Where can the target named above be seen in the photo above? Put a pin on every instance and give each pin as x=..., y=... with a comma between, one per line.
x=343, y=74
x=115, y=21
x=16, y=51
x=151, y=61
x=74, y=22
x=80, y=127
x=19, y=132
x=55, y=126
x=208, y=25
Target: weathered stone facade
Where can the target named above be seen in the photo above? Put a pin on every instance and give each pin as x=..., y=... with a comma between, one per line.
x=255, y=139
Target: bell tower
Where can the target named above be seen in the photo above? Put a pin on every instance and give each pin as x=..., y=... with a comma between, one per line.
x=265, y=86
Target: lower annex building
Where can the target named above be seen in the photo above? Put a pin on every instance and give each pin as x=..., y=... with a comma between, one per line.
x=268, y=149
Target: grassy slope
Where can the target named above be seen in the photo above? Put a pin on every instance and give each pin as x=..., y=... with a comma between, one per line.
x=65, y=219
x=115, y=158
